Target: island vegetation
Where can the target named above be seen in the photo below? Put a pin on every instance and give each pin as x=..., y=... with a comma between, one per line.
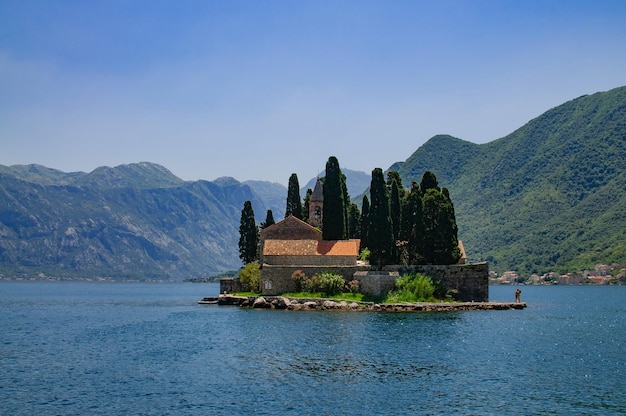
x=413, y=226
x=410, y=288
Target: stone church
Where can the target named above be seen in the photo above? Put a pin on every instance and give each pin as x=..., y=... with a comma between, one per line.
x=293, y=244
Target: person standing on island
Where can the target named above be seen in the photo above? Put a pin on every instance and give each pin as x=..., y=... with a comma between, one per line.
x=517, y=295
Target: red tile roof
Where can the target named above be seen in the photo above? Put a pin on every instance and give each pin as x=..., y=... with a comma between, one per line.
x=311, y=248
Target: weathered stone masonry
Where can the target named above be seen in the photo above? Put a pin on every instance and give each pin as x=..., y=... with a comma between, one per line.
x=276, y=279
x=470, y=280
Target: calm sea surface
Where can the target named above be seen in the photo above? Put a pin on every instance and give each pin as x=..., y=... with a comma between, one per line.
x=149, y=349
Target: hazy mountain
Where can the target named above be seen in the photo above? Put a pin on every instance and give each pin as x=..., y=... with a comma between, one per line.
x=132, y=221
x=273, y=194
x=549, y=196
x=135, y=221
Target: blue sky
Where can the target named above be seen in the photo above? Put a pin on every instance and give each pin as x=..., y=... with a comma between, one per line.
x=260, y=89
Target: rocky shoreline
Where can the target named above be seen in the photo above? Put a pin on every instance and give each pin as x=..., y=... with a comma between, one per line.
x=297, y=304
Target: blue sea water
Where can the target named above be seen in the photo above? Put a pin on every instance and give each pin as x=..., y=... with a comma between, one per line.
x=149, y=349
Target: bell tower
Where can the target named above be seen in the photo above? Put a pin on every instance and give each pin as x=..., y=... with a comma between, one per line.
x=316, y=205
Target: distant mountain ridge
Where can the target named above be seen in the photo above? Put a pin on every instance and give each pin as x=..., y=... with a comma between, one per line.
x=134, y=221
x=548, y=196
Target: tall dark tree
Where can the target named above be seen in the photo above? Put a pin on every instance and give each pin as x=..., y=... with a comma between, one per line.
x=354, y=222
x=346, y=206
x=269, y=220
x=305, y=206
x=450, y=228
x=440, y=242
x=379, y=231
x=248, y=234
x=365, y=219
x=429, y=181
x=333, y=227
x=394, y=209
x=392, y=175
x=294, y=203
x=412, y=226
x=409, y=206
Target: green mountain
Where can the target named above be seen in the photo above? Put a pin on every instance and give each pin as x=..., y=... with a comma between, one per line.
x=548, y=197
x=135, y=221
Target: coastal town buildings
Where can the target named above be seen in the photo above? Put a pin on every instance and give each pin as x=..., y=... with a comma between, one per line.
x=601, y=274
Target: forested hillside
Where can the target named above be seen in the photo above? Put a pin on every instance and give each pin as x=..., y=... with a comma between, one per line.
x=549, y=196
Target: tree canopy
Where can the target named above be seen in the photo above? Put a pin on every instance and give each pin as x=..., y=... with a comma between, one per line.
x=333, y=217
x=365, y=211
x=379, y=231
x=294, y=203
x=409, y=227
x=440, y=234
x=269, y=220
x=248, y=234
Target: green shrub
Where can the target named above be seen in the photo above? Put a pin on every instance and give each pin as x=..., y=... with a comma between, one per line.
x=250, y=277
x=365, y=254
x=312, y=285
x=413, y=288
x=329, y=283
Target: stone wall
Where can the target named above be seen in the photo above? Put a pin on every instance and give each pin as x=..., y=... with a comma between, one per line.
x=277, y=279
x=376, y=283
x=230, y=285
x=471, y=281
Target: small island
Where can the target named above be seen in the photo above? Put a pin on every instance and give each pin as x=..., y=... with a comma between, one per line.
x=324, y=304
x=398, y=253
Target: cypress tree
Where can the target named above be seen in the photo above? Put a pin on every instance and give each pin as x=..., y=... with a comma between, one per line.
x=354, y=222
x=346, y=206
x=394, y=209
x=365, y=210
x=440, y=241
x=294, y=203
x=333, y=227
x=450, y=231
x=412, y=226
x=379, y=231
x=248, y=234
x=432, y=238
x=429, y=181
x=269, y=220
x=392, y=175
x=305, y=206
x=395, y=212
